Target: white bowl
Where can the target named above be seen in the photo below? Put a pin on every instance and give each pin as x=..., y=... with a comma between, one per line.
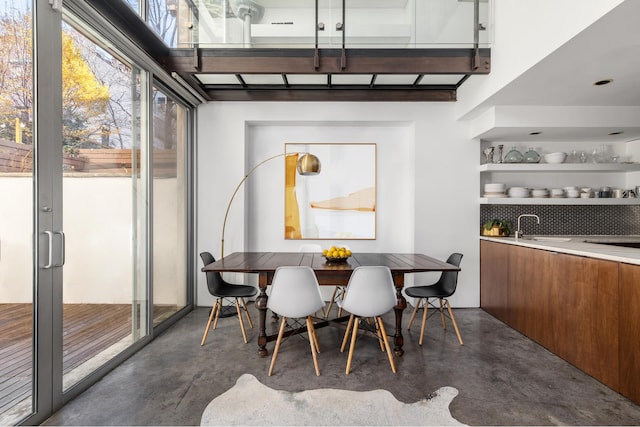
x=494, y=188
x=558, y=157
x=540, y=193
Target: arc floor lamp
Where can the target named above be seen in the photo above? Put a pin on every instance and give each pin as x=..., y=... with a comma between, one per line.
x=307, y=165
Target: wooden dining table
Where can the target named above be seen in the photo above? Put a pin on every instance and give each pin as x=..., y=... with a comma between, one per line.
x=264, y=264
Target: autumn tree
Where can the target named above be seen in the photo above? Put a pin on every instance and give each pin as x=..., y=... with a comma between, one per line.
x=84, y=99
x=16, y=75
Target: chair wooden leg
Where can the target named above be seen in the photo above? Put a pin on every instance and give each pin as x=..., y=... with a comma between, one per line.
x=379, y=334
x=455, y=324
x=386, y=344
x=425, y=309
x=353, y=344
x=246, y=312
x=333, y=297
x=413, y=315
x=444, y=321
x=313, y=343
x=218, y=310
x=211, y=316
x=277, y=347
x=346, y=334
x=312, y=333
x=239, y=310
x=341, y=296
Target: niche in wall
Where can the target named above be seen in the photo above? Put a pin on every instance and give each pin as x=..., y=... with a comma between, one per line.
x=395, y=180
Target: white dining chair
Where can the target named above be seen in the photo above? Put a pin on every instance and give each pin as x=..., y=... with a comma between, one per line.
x=295, y=294
x=370, y=293
x=314, y=248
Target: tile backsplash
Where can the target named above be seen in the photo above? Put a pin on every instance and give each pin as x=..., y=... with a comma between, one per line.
x=568, y=219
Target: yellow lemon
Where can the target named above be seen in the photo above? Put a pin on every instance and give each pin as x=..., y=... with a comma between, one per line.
x=325, y=252
x=341, y=253
x=348, y=252
x=334, y=254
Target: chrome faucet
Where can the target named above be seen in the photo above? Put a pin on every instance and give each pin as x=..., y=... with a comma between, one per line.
x=518, y=232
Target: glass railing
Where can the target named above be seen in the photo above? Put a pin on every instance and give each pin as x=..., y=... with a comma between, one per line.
x=331, y=23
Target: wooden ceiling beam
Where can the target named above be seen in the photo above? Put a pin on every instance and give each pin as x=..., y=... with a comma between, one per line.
x=301, y=61
x=373, y=95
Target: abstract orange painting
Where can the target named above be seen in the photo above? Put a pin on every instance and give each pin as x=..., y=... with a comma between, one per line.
x=339, y=202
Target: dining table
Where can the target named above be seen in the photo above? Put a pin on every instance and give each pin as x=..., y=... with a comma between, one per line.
x=264, y=264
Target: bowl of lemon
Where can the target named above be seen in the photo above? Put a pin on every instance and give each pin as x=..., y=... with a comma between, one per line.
x=336, y=254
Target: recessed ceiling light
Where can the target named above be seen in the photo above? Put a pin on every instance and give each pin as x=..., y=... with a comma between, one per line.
x=616, y=133
x=603, y=82
x=535, y=133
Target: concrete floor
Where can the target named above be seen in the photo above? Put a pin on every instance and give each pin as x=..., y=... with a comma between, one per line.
x=503, y=378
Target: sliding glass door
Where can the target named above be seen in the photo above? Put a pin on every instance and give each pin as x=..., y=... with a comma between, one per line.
x=93, y=219
x=16, y=212
x=168, y=158
x=104, y=202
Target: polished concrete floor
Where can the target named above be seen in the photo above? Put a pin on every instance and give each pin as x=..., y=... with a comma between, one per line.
x=503, y=378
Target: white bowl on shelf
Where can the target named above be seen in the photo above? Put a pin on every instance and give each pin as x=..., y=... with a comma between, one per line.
x=540, y=192
x=494, y=188
x=554, y=158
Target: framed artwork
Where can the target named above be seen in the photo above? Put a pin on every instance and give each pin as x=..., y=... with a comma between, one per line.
x=339, y=202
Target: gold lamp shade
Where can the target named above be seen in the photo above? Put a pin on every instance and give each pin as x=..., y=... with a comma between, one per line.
x=308, y=165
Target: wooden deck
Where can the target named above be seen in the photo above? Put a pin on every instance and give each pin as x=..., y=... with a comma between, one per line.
x=88, y=330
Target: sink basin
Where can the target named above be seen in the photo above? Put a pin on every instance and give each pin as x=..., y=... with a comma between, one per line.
x=635, y=245
x=551, y=239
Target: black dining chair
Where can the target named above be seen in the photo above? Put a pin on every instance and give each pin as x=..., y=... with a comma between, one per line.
x=442, y=289
x=223, y=290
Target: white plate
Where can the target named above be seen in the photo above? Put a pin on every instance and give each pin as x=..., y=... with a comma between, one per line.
x=494, y=195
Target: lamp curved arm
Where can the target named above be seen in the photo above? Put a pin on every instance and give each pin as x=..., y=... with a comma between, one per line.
x=308, y=164
x=233, y=196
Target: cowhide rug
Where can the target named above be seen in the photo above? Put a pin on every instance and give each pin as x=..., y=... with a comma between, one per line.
x=250, y=402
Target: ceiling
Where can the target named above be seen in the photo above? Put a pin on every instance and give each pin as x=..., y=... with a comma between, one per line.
x=560, y=88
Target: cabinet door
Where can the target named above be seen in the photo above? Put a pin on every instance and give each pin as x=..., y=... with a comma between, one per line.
x=583, y=316
x=528, y=291
x=629, y=309
x=494, y=268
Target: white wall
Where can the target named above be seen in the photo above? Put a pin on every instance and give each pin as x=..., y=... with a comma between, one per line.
x=97, y=226
x=525, y=32
x=427, y=178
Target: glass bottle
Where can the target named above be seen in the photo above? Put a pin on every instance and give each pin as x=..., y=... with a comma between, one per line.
x=513, y=156
x=531, y=156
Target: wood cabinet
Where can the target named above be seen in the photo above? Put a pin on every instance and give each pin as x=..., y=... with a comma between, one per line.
x=629, y=302
x=585, y=310
x=494, y=277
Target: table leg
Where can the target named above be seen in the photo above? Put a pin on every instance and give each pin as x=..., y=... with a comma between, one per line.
x=401, y=304
x=261, y=304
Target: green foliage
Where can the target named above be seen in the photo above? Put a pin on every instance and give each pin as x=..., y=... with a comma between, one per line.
x=504, y=224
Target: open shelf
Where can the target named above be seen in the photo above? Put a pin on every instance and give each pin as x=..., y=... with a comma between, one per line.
x=560, y=167
x=557, y=201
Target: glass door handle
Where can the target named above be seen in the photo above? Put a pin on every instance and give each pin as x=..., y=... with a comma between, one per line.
x=50, y=246
x=62, y=248
x=50, y=235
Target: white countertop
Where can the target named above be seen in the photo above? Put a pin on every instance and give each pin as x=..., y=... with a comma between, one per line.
x=577, y=246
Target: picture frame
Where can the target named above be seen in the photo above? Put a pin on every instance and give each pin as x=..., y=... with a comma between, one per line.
x=339, y=202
